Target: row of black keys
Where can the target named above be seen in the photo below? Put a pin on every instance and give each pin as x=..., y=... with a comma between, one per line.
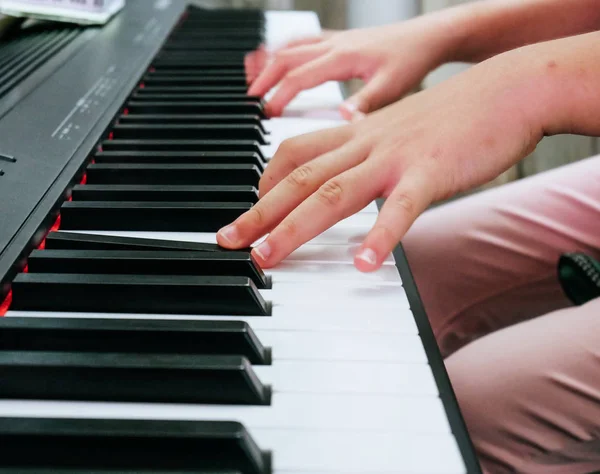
x=203, y=361
x=185, y=154
x=48, y=358
x=173, y=172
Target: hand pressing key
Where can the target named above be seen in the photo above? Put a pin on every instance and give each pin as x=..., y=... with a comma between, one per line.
x=425, y=148
x=391, y=60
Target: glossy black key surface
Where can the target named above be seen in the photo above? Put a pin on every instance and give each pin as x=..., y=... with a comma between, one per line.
x=208, y=62
x=238, y=146
x=196, y=81
x=196, y=107
x=164, y=193
x=150, y=216
x=207, y=44
x=175, y=173
x=212, y=32
x=194, y=119
x=189, y=157
x=131, y=446
x=154, y=294
x=189, y=131
x=151, y=89
x=132, y=336
x=152, y=96
x=80, y=240
x=126, y=377
x=223, y=56
x=112, y=471
x=148, y=262
x=232, y=71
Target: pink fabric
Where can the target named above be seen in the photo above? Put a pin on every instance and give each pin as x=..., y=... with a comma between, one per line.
x=524, y=362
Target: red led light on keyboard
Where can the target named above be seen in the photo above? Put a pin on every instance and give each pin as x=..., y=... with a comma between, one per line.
x=5, y=305
x=56, y=225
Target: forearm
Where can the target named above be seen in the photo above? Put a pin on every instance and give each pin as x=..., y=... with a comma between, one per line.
x=561, y=84
x=479, y=30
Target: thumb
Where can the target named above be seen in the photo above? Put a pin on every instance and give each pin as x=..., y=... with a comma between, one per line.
x=380, y=91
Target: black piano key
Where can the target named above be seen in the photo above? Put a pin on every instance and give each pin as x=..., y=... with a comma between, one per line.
x=79, y=240
x=151, y=89
x=126, y=377
x=212, y=32
x=226, y=56
x=114, y=446
x=242, y=146
x=239, y=72
x=150, y=216
x=195, y=81
x=150, y=96
x=132, y=336
x=188, y=131
x=173, y=173
x=197, y=61
x=193, y=119
x=225, y=21
x=149, y=262
x=112, y=471
x=207, y=44
x=196, y=107
x=164, y=193
x=155, y=294
x=188, y=157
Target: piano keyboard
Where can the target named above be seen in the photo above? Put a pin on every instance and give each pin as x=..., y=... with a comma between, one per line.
x=133, y=343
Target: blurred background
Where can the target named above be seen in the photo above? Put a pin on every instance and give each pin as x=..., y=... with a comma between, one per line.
x=343, y=14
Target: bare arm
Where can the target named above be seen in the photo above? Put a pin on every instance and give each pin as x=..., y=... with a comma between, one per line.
x=483, y=29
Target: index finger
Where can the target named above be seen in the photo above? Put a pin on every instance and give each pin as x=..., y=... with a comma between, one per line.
x=295, y=152
x=284, y=62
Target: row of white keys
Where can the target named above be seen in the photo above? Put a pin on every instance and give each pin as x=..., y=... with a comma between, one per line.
x=348, y=366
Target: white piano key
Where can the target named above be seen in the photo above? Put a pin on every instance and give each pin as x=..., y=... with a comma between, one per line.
x=282, y=128
x=281, y=27
x=332, y=236
x=308, y=253
x=322, y=101
x=319, y=253
x=306, y=271
x=342, y=295
x=424, y=414
x=388, y=319
x=343, y=346
x=349, y=377
x=343, y=452
x=371, y=208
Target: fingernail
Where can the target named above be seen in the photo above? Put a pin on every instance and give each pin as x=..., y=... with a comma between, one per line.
x=350, y=107
x=263, y=250
x=230, y=234
x=358, y=116
x=367, y=255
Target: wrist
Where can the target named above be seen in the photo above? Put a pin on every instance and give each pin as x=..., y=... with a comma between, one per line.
x=559, y=84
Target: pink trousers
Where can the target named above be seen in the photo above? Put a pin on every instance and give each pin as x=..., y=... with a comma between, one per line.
x=523, y=361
